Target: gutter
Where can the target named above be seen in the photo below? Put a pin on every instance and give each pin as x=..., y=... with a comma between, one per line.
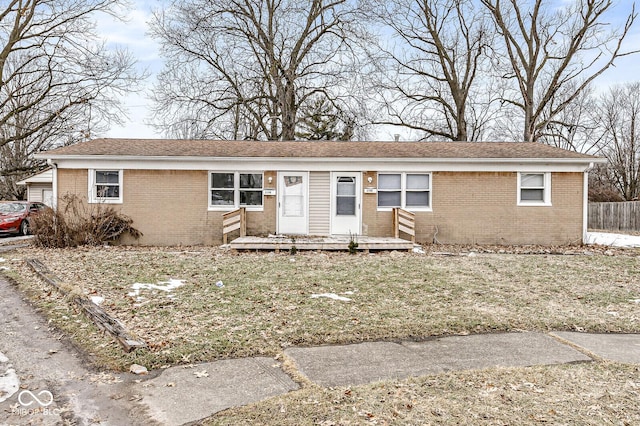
x=327, y=159
x=54, y=181
x=585, y=207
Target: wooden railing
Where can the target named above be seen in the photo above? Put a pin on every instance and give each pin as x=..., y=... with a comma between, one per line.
x=404, y=221
x=233, y=221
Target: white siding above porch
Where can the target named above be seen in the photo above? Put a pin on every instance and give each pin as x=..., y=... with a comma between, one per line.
x=319, y=203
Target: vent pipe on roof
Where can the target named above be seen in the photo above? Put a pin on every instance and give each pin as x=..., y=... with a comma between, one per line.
x=396, y=137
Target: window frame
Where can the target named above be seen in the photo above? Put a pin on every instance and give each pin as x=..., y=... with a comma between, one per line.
x=93, y=186
x=403, y=192
x=236, y=191
x=546, y=190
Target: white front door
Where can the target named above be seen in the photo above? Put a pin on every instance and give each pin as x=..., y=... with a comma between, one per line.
x=293, y=205
x=345, y=203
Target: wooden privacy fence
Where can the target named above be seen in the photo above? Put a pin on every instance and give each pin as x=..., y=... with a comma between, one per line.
x=623, y=216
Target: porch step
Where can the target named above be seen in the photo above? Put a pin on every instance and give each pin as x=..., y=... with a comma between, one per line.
x=319, y=243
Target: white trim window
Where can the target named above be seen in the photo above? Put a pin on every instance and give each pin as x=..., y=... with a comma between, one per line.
x=234, y=189
x=105, y=186
x=534, y=189
x=406, y=190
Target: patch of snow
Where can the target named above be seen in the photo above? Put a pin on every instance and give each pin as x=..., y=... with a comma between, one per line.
x=162, y=286
x=2, y=259
x=634, y=300
x=138, y=369
x=418, y=249
x=613, y=240
x=97, y=299
x=4, y=268
x=331, y=296
x=9, y=384
x=3, y=358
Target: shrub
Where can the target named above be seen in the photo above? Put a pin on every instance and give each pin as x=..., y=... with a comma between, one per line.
x=353, y=243
x=75, y=223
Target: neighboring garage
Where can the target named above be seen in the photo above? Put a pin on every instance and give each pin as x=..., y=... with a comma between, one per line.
x=40, y=187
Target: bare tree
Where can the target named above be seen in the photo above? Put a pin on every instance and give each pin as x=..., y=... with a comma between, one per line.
x=57, y=80
x=618, y=116
x=573, y=128
x=431, y=75
x=553, y=53
x=601, y=188
x=242, y=68
x=322, y=120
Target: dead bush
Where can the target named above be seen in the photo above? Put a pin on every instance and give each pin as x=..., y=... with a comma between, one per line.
x=76, y=223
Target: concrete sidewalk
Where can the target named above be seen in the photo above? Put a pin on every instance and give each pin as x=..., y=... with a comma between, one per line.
x=180, y=395
x=188, y=393
x=370, y=362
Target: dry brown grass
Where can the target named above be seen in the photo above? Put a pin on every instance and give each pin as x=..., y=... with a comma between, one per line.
x=574, y=394
x=266, y=305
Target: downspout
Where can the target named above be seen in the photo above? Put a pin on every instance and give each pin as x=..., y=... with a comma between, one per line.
x=585, y=207
x=54, y=168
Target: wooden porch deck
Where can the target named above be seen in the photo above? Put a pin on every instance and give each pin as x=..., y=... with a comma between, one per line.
x=278, y=243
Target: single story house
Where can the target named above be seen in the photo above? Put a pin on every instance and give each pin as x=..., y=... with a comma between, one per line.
x=40, y=187
x=177, y=191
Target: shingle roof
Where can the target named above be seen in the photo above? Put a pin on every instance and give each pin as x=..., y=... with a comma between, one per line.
x=312, y=149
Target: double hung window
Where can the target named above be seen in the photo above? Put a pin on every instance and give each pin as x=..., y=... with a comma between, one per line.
x=534, y=189
x=406, y=190
x=234, y=189
x=105, y=186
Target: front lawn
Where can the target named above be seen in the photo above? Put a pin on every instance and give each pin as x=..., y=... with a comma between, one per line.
x=265, y=302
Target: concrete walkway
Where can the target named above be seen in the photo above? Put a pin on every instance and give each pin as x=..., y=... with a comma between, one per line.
x=180, y=395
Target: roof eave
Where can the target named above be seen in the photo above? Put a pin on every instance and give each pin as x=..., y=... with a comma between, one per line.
x=44, y=156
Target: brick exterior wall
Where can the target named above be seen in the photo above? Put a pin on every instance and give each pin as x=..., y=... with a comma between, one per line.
x=481, y=208
x=171, y=208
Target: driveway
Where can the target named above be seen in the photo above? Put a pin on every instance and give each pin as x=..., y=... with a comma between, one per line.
x=9, y=242
x=44, y=381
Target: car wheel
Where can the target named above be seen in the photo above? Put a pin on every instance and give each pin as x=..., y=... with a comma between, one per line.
x=24, y=227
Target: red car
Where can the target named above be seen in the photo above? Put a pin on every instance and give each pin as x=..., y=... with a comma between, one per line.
x=14, y=216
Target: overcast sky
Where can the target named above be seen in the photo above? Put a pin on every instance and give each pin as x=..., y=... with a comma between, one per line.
x=133, y=35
